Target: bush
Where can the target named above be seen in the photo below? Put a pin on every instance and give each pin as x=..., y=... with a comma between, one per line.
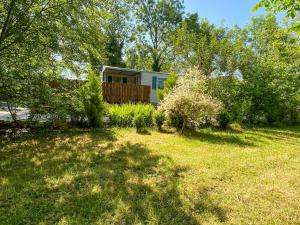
x=139, y=121
x=176, y=121
x=159, y=119
x=123, y=115
x=224, y=119
x=188, y=104
x=92, y=100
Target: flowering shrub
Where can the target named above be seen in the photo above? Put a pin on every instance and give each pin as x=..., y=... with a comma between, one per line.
x=188, y=104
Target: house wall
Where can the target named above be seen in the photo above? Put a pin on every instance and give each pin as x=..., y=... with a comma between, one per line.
x=146, y=79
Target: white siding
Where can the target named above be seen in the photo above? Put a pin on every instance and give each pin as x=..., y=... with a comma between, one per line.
x=146, y=79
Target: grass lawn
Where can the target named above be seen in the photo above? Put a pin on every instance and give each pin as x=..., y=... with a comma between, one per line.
x=119, y=177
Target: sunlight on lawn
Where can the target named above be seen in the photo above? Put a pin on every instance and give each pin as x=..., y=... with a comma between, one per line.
x=120, y=177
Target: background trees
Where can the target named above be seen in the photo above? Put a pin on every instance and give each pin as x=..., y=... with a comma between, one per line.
x=156, y=21
x=40, y=40
x=253, y=71
x=118, y=30
x=271, y=71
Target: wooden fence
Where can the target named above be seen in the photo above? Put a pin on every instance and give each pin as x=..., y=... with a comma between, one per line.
x=123, y=93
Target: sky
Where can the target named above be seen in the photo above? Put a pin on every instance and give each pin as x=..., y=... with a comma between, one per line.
x=230, y=12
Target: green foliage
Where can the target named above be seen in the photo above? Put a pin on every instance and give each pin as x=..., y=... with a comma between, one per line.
x=271, y=72
x=169, y=84
x=64, y=103
x=266, y=85
x=123, y=115
x=118, y=31
x=254, y=71
x=203, y=45
x=159, y=119
x=290, y=7
x=114, y=49
x=92, y=100
x=224, y=119
x=38, y=41
x=139, y=121
x=156, y=22
x=175, y=120
x=228, y=90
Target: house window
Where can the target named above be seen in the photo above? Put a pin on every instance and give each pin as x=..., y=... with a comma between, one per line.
x=124, y=80
x=161, y=83
x=109, y=79
x=154, y=82
x=117, y=79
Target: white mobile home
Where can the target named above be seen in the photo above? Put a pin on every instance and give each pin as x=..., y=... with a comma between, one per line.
x=122, y=85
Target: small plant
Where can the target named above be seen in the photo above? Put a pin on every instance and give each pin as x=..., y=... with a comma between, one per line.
x=139, y=122
x=224, y=119
x=159, y=119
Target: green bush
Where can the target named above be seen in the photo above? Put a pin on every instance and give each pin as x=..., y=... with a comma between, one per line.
x=224, y=119
x=92, y=100
x=123, y=115
x=159, y=119
x=139, y=121
x=175, y=121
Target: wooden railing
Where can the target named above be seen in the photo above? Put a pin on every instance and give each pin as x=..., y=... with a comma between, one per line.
x=123, y=93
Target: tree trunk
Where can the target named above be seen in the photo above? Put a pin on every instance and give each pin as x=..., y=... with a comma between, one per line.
x=183, y=127
x=156, y=67
x=12, y=112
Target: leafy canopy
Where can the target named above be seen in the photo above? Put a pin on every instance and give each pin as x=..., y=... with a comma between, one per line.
x=290, y=7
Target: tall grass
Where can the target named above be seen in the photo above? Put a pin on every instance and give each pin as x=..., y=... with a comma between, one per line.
x=122, y=115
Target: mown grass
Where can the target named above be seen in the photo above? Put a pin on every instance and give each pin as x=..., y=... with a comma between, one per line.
x=242, y=176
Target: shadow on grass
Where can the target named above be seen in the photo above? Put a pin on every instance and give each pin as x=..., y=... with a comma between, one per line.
x=281, y=133
x=291, y=136
x=87, y=178
x=218, y=138
x=143, y=132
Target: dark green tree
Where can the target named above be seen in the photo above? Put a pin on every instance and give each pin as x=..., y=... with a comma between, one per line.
x=92, y=100
x=119, y=28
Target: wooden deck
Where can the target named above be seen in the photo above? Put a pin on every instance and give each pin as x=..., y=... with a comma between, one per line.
x=124, y=93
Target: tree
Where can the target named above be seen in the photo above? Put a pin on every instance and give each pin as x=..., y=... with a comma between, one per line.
x=156, y=21
x=205, y=46
x=189, y=104
x=114, y=52
x=227, y=89
x=39, y=38
x=290, y=7
x=118, y=30
x=92, y=100
x=271, y=72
